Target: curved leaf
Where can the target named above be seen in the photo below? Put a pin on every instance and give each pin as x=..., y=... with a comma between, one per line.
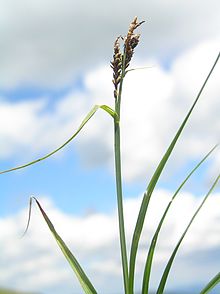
x=83, y=279
x=86, y=119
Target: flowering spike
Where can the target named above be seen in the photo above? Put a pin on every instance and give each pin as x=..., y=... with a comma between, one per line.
x=116, y=65
x=131, y=40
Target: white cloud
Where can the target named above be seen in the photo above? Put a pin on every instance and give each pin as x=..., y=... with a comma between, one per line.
x=47, y=43
x=94, y=240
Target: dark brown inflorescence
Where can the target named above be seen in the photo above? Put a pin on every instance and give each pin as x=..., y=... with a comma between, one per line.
x=131, y=40
x=116, y=65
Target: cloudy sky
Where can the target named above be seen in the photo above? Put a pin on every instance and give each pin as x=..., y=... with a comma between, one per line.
x=54, y=67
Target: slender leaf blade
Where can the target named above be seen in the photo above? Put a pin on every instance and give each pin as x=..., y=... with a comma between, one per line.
x=163, y=280
x=148, y=264
x=106, y=108
x=152, y=184
x=214, y=281
x=83, y=279
x=109, y=110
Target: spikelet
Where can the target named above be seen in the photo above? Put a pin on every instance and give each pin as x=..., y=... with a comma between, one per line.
x=131, y=40
x=116, y=65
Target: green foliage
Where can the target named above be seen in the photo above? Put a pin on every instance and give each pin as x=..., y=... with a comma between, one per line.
x=148, y=264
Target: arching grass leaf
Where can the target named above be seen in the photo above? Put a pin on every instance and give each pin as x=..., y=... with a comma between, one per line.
x=83, y=279
x=106, y=108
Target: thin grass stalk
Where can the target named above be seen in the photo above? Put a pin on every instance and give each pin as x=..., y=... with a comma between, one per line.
x=149, y=261
x=119, y=64
x=152, y=184
x=117, y=152
x=164, y=278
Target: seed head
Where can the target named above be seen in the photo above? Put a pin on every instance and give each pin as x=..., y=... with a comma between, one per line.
x=116, y=65
x=131, y=40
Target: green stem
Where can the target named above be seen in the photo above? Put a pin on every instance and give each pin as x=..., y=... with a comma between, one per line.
x=120, y=206
x=117, y=152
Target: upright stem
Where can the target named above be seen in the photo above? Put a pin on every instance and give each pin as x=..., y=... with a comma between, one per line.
x=117, y=151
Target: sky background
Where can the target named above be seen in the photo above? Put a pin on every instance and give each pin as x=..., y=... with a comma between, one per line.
x=54, y=67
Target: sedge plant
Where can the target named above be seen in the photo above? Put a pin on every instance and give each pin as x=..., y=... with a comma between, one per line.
x=123, y=52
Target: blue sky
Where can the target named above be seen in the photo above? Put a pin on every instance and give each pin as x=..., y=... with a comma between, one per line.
x=65, y=179
x=54, y=68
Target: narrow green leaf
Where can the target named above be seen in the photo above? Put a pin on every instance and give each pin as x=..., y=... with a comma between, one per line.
x=163, y=280
x=211, y=284
x=152, y=184
x=148, y=264
x=109, y=110
x=83, y=279
x=86, y=119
